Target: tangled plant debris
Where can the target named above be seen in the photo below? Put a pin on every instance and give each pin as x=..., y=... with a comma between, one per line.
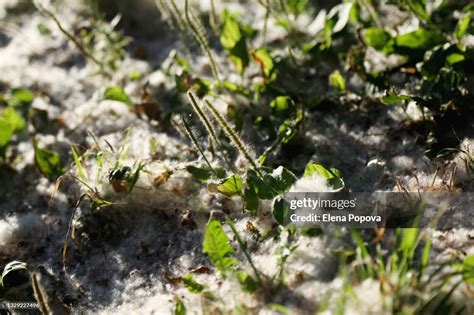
x=148, y=148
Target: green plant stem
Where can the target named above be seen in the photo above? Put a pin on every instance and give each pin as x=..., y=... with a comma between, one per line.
x=243, y=247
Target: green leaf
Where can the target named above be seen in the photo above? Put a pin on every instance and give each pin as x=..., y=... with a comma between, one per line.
x=261, y=188
x=418, y=7
x=281, y=211
x=420, y=39
x=468, y=269
x=231, y=186
x=376, y=37
x=192, y=285
x=247, y=282
x=392, y=98
x=233, y=40
x=6, y=133
x=17, y=122
x=251, y=200
x=216, y=246
x=77, y=162
x=180, y=309
x=263, y=58
x=20, y=97
x=232, y=87
x=204, y=173
x=282, y=106
x=116, y=93
x=280, y=179
x=296, y=6
x=332, y=175
x=463, y=25
x=336, y=80
x=454, y=58
x=48, y=162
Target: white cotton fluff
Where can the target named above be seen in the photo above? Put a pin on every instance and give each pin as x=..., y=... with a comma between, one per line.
x=20, y=228
x=313, y=183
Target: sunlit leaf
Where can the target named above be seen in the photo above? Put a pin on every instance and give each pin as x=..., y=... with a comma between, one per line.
x=179, y=309
x=376, y=37
x=216, y=246
x=336, y=80
x=192, y=285
x=116, y=93
x=263, y=58
x=281, y=211
x=49, y=163
x=233, y=40
x=282, y=106
x=231, y=186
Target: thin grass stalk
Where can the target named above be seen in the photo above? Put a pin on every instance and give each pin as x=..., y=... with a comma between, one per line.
x=200, y=36
x=207, y=124
x=213, y=18
x=244, y=249
x=234, y=138
x=196, y=143
x=160, y=4
x=79, y=46
x=177, y=15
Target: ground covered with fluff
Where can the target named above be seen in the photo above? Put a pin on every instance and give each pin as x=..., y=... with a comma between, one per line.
x=146, y=146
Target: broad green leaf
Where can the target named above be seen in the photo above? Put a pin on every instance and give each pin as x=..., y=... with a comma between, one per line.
x=179, y=309
x=230, y=35
x=247, y=283
x=116, y=93
x=192, y=285
x=336, y=80
x=263, y=58
x=262, y=189
x=376, y=37
x=233, y=40
x=20, y=97
x=49, y=163
x=280, y=180
x=216, y=246
x=454, y=58
x=281, y=211
x=231, y=186
x=17, y=122
x=251, y=200
x=282, y=106
x=332, y=175
x=420, y=39
x=204, y=173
